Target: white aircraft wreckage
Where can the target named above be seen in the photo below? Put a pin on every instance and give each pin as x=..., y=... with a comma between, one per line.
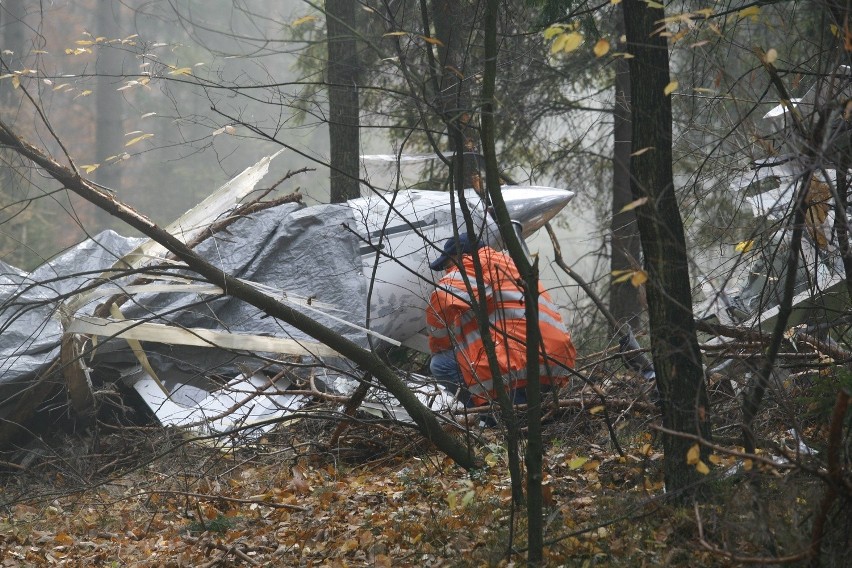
x=748, y=296
x=820, y=289
x=117, y=310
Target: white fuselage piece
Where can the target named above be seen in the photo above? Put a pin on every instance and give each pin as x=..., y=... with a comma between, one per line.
x=403, y=232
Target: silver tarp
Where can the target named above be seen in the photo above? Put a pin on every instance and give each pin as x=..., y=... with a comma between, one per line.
x=294, y=251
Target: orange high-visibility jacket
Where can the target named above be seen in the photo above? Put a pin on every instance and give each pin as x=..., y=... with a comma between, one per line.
x=453, y=325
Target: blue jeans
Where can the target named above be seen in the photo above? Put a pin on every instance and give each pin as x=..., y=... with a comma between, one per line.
x=445, y=368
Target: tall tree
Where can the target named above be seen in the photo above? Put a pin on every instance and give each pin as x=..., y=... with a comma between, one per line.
x=16, y=221
x=12, y=15
x=454, y=26
x=343, y=104
x=674, y=344
x=109, y=123
x=624, y=299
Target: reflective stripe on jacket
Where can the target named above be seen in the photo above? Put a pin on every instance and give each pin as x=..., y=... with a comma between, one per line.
x=453, y=325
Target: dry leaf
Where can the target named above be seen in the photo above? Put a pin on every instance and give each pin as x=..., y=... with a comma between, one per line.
x=771, y=56
x=744, y=246
x=299, y=483
x=63, y=539
x=553, y=31
x=572, y=41
x=138, y=139
x=638, y=278
x=303, y=20
x=432, y=40
x=634, y=204
x=693, y=456
x=750, y=12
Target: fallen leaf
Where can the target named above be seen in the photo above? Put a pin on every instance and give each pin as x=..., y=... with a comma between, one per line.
x=299, y=483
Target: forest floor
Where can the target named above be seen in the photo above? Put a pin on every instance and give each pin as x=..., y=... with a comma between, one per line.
x=384, y=497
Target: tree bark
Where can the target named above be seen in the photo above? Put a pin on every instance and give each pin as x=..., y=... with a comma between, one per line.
x=12, y=15
x=343, y=103
x=453, y=25
x=624, y=299
x=674, y=344
x=534, y=456
x=109, y=124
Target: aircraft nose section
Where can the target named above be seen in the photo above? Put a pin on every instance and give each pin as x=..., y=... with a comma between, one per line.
x=533, y=206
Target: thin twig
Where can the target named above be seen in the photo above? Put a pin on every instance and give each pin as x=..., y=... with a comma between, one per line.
x=206, y=497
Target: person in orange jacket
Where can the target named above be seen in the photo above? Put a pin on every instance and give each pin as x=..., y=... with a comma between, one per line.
x=458, y=352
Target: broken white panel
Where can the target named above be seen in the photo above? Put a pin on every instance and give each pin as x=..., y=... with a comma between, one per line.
x=381, y=403
x=198, y=219
x=782, y=109
x=241, y=403
x=410, y=158
x=832, y=300
x=801, y=447
x=160, y=333
x=435, y=398
x=188, y=225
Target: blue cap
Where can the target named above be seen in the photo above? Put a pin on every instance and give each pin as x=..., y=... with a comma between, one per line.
x=454, y=247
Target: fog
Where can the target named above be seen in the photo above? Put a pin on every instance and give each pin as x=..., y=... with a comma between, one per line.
x=162, y=102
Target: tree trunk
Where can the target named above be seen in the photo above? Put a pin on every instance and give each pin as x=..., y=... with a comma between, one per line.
x=534, y=456
x=109, y=124
x=15, y=240
x=453, y=25
x=12, y=16
x=674, y=344
x=343, y=104
x=624, y=299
